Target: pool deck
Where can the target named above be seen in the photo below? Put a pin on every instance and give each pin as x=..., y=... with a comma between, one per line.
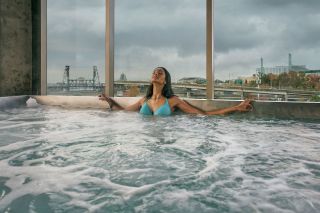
x=263, y=109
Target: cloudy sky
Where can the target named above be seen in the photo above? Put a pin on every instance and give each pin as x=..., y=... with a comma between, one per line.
x=171, y=33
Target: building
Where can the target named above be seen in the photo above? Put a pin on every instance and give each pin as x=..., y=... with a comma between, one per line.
x=123, y=77
x=247, y=80
x=282, y=68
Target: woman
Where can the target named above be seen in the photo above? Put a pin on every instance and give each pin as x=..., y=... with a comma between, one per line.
x=160, y=99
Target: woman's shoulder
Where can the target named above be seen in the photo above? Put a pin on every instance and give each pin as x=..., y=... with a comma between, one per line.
x=174, y=99
x=142, y=100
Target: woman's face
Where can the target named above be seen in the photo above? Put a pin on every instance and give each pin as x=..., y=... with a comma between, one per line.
x=158, y=76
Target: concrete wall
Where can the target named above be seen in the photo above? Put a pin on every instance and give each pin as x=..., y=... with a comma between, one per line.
x=261, y=109
x=15, y=47
x=266, y=109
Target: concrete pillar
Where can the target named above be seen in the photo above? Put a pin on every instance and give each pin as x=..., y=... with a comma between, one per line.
x=36, y=47
x=16, y=49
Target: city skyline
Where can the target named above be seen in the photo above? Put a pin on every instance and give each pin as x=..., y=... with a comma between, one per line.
x=118, y=76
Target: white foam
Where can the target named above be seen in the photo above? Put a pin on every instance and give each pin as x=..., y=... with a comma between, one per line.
x=77, y=151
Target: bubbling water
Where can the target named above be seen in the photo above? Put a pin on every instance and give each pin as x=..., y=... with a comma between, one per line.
x=61, y=160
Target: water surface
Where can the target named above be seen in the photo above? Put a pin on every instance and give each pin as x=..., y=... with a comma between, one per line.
x=61, y=160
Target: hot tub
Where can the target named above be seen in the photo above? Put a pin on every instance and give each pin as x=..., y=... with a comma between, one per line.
x=55, y=159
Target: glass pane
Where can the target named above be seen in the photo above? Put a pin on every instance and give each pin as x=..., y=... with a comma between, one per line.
x=76, y=46
x=269, y=48
x=165, y=33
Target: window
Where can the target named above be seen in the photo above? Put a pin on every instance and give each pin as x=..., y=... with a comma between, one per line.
x=76, y=47
x=163, y=33
x=270, y=48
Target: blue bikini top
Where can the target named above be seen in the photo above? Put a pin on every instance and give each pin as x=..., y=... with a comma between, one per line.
x=163, y=110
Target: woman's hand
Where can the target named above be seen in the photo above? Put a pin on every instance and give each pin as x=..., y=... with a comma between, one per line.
x=103, y=97
x=244, y=106
x=112, y=103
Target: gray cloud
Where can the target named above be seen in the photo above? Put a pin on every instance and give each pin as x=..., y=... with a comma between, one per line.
x=185, y=41
x=167, y=33
x=172, y=34
x=283, y=4
x=270, y=29
x=69, y=5
x=75, y=37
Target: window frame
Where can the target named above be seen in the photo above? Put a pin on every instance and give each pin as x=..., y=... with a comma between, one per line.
x=109, y=48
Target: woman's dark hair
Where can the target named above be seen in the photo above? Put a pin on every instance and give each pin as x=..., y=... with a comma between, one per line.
x=167, y=89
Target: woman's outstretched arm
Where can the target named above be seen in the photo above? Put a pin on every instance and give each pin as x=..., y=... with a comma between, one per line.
x=187, y=108
x=244, y=106
x=115, y=106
